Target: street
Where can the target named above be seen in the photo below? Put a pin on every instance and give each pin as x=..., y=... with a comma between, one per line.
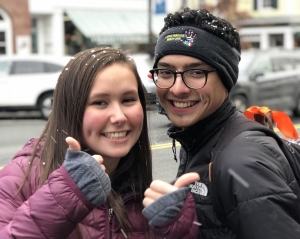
x=15, y=132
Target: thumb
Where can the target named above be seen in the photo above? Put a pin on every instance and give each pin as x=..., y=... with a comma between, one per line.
x=149, y=75
x=73, y=144
x=186, y=179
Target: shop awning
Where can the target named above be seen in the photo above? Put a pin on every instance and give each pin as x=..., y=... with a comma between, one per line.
x=111, y=27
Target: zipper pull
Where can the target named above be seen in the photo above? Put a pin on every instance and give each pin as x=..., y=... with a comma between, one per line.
x=110, y=213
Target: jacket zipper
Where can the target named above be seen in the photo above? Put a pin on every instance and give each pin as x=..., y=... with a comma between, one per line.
x=187, y=159
x=187, y=163
x=110, y=215
x=110, y=222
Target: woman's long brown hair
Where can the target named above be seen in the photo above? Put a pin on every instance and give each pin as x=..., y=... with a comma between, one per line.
x=69, y=103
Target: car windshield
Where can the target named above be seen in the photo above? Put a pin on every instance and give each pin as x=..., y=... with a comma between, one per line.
x=246, y=60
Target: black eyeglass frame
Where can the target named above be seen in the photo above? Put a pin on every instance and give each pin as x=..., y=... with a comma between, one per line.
x=205, y=71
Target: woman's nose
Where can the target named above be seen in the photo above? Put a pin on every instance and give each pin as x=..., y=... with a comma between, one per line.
x=117, y=116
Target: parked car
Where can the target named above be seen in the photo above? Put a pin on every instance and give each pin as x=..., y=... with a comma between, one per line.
x=27, y=82
x=268, y=78
x=144, y=63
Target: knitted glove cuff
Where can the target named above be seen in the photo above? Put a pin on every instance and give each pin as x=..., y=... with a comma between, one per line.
x=166, y=207
x=88, y=175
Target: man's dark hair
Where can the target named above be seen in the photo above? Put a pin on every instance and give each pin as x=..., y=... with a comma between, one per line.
x=203, y=19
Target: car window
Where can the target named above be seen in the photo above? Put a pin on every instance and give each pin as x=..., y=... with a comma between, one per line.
x=283, y=64
x=245, y=62
x=262, y=65
x=27, y=67
x=53, y=67
x=5, y=68
x=297, y=63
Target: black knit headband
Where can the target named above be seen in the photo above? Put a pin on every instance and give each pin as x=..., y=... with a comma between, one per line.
x=198, y=43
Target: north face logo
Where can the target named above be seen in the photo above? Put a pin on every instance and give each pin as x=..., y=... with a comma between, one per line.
x=199, y=188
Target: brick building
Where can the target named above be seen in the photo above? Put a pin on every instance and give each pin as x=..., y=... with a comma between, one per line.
x=15, y=27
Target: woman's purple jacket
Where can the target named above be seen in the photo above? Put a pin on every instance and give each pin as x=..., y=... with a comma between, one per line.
x=55, y=209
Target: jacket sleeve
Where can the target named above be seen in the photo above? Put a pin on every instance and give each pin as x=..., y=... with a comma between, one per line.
x=184, y=225
x=52, y=211
x=256, y=189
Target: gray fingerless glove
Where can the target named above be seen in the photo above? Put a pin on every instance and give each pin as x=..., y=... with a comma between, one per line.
x=88, y=175
x=166, y=207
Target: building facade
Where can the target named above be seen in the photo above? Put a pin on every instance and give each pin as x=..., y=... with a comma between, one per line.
x=273, y=23
x=65, y=27
x=266, y=24
x=15, y=27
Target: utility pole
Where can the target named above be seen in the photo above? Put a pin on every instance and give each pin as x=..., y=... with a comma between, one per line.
x=184, y=4
x=150, y=36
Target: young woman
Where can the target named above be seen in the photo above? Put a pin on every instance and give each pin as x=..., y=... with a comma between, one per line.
x=50, y=191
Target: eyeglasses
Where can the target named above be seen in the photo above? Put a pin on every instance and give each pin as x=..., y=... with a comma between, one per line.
x=192, y=78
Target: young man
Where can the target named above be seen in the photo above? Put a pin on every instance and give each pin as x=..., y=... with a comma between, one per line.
x=253, y=193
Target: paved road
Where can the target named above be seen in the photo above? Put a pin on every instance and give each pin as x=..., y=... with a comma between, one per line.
x=15, y=132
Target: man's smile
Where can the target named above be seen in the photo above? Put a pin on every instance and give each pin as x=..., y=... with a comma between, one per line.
x=184, y=104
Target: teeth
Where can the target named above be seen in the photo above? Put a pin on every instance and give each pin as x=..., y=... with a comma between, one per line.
x=117, y=135
x=183, y=104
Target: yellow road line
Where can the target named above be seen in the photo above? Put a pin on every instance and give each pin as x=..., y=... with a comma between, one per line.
x=169, y=145
x=163, y=146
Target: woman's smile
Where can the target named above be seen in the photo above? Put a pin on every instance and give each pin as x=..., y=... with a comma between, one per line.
x=116, y=135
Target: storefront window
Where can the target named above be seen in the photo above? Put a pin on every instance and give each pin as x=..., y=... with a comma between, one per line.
x=2, y=43
x=3, y=35
x=34, y=36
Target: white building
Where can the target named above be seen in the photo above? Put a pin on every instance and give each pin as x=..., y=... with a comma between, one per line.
x=93, y=22
x=68, y=26
x=273, y=23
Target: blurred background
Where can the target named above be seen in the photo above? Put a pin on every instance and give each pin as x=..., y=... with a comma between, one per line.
x=65, y=27
x=37, y=37
x=56, y=29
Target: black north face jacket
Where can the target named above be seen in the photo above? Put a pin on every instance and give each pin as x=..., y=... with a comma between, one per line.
x=254, y=187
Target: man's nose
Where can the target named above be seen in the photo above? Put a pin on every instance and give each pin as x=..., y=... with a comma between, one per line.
x=179, y=87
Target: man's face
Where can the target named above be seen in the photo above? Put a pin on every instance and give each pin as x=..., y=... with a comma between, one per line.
x=186, y=106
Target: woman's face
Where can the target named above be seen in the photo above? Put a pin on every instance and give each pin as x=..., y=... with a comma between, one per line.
x=113, y=117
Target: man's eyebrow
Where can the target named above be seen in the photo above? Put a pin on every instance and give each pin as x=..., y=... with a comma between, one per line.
x=164, y=64
x=187, y=66
x=196, y=64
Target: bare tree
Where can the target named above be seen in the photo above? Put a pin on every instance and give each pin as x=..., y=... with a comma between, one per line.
x=227, y=9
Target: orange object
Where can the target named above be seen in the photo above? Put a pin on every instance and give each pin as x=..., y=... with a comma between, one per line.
x=281, y=119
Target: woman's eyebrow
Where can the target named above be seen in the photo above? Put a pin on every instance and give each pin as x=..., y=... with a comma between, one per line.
x=104, y=94
x=97, y=94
